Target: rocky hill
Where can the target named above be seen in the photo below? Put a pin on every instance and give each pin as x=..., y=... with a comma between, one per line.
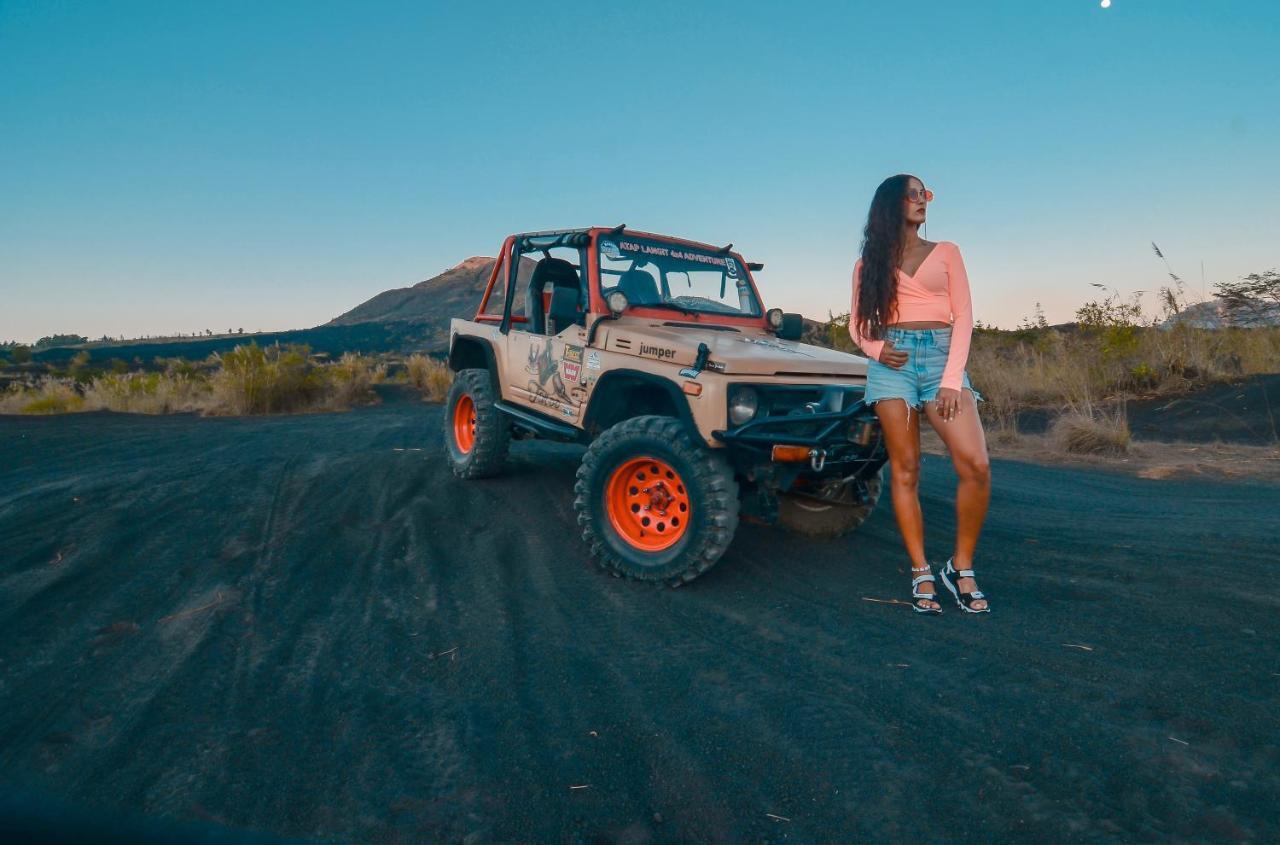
x=433, y=302
x=1211, y=314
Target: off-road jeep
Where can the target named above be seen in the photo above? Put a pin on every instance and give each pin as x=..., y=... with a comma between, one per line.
x=696, y=404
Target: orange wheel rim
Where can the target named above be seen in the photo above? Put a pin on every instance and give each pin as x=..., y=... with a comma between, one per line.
x=464, y=424
x=648, y=504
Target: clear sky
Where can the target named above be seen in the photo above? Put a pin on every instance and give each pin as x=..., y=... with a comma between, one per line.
x=180, y=166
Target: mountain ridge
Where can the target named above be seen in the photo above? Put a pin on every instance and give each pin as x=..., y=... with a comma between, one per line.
x=432, y=302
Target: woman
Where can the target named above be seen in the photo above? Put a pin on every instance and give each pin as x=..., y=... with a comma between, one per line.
x=912, y=317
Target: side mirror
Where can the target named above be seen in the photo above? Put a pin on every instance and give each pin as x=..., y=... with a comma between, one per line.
x=792, y=327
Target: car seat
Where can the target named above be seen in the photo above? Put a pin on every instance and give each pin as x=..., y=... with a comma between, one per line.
x=563, y=311
x=562, y=276
x=639, y=287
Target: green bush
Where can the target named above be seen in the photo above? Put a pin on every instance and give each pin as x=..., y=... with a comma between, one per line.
x=257, y=380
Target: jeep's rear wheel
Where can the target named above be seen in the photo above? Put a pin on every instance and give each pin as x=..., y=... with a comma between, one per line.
x=653, y=503
x=821, y=518
x=476, y=433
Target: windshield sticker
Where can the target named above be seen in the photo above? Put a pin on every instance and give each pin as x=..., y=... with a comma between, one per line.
x=610, y=250
x=573, y=353
x=731, y=267
x=593, y=360
x=681, y=254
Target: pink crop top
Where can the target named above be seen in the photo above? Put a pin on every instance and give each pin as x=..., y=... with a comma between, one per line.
x=939, y=291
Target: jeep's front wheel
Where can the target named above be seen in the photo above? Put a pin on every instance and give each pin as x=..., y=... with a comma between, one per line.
x=654, y=504
x=821, y=518
x=476, y=433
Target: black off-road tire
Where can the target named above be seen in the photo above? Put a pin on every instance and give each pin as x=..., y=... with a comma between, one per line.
x=816, y=518
x=712, y=492
x=488, y=453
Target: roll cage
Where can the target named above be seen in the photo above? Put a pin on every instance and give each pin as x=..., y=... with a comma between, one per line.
x=590, y=300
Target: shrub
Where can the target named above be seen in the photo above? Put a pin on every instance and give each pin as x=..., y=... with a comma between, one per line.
x=50, y=396
x=429, y=375
x=349, y=380
x=149, y=393
x=269, y=380
x=1088, y=431
x=248, y=380
x=257, y=380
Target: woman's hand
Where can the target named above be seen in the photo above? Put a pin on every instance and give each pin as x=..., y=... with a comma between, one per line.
x=892, y=357
x=948, y=403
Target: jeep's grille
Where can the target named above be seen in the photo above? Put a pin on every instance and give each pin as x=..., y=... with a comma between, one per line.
x=793, y=401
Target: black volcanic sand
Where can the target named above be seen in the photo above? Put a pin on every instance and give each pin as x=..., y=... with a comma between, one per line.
x=1243, y=411
x=307, y=627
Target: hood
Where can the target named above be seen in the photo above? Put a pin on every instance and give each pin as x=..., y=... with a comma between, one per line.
x=743, y=351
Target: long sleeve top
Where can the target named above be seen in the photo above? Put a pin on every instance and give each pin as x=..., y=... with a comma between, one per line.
x=939, y=291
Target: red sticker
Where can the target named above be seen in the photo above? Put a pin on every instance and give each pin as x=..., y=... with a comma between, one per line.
x=570, y=370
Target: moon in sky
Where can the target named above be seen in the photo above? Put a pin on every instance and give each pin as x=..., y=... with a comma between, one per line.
x=1106, y=4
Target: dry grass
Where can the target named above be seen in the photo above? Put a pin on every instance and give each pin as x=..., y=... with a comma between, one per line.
x=1088, y=431
x=1038, y=367
x=247, y=380
x=148, y=393
x=274, y=379
x=264, y=380
x=49, y=396
x=1047, y=367
x=350, y=381
x=431, y=376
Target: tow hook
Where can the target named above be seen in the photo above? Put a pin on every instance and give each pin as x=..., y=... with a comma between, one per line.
x=817, y=459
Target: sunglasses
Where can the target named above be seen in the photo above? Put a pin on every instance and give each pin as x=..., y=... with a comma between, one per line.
x=917, y=194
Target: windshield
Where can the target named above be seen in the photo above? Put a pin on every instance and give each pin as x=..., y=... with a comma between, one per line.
x=661, y=274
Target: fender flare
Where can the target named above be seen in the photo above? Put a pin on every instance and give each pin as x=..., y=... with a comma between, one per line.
x=468, y=351
x=665, y=385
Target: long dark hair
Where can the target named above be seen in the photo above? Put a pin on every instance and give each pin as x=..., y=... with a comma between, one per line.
x=882, y=247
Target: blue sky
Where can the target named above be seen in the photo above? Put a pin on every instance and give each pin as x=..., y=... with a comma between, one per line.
x=180, y=166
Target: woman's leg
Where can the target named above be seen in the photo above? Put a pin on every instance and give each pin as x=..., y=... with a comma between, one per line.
x=901, y=427
x=968, y=446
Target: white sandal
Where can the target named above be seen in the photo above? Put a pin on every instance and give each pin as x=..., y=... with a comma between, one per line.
x=917, y=595
x=965, y=600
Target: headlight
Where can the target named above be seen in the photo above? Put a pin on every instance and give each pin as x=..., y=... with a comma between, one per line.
x=743, y=404
x=774, y=316
x=617, y=302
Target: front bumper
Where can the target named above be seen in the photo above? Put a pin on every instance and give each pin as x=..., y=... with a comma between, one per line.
x=842, y=434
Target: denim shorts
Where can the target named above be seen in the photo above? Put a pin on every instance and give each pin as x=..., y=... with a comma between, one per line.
x=918, y=380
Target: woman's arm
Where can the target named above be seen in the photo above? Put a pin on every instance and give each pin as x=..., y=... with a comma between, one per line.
x=962, y=318
x=871, y=347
